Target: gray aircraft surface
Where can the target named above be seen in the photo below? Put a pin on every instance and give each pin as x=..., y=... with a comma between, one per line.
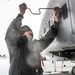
x=64, y=43
x=63, y=46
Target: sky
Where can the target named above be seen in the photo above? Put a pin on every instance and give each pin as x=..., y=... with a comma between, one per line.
x=9, y=10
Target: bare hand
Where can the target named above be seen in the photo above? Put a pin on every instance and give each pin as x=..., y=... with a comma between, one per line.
x=22, y=8
x=57, y=13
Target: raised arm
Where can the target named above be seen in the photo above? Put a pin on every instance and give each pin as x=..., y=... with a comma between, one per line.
x=14, y=32
x=52, y=33
x=44, y=42
x=14, y=29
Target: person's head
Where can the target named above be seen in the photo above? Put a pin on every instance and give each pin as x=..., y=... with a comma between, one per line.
x=26, y=31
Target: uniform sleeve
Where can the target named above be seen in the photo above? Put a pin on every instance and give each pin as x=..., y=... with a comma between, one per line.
x=45, y=41
x=14, y=28
x=52, y=33
x=13, y=34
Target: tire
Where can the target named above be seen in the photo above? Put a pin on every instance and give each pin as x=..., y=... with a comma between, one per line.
x=73, y=70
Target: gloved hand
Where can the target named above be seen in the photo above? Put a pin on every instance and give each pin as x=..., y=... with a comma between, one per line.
x=22, y=41
x=22, y=8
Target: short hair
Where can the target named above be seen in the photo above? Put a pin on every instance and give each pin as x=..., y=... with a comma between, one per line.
x=26, y=28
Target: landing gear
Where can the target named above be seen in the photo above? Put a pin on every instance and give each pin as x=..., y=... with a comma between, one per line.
x=73, y=70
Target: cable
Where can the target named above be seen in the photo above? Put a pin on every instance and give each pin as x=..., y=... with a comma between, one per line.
x=39, y=10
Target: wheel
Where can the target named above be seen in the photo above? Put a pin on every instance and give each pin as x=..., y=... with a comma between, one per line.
x=73, y=70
